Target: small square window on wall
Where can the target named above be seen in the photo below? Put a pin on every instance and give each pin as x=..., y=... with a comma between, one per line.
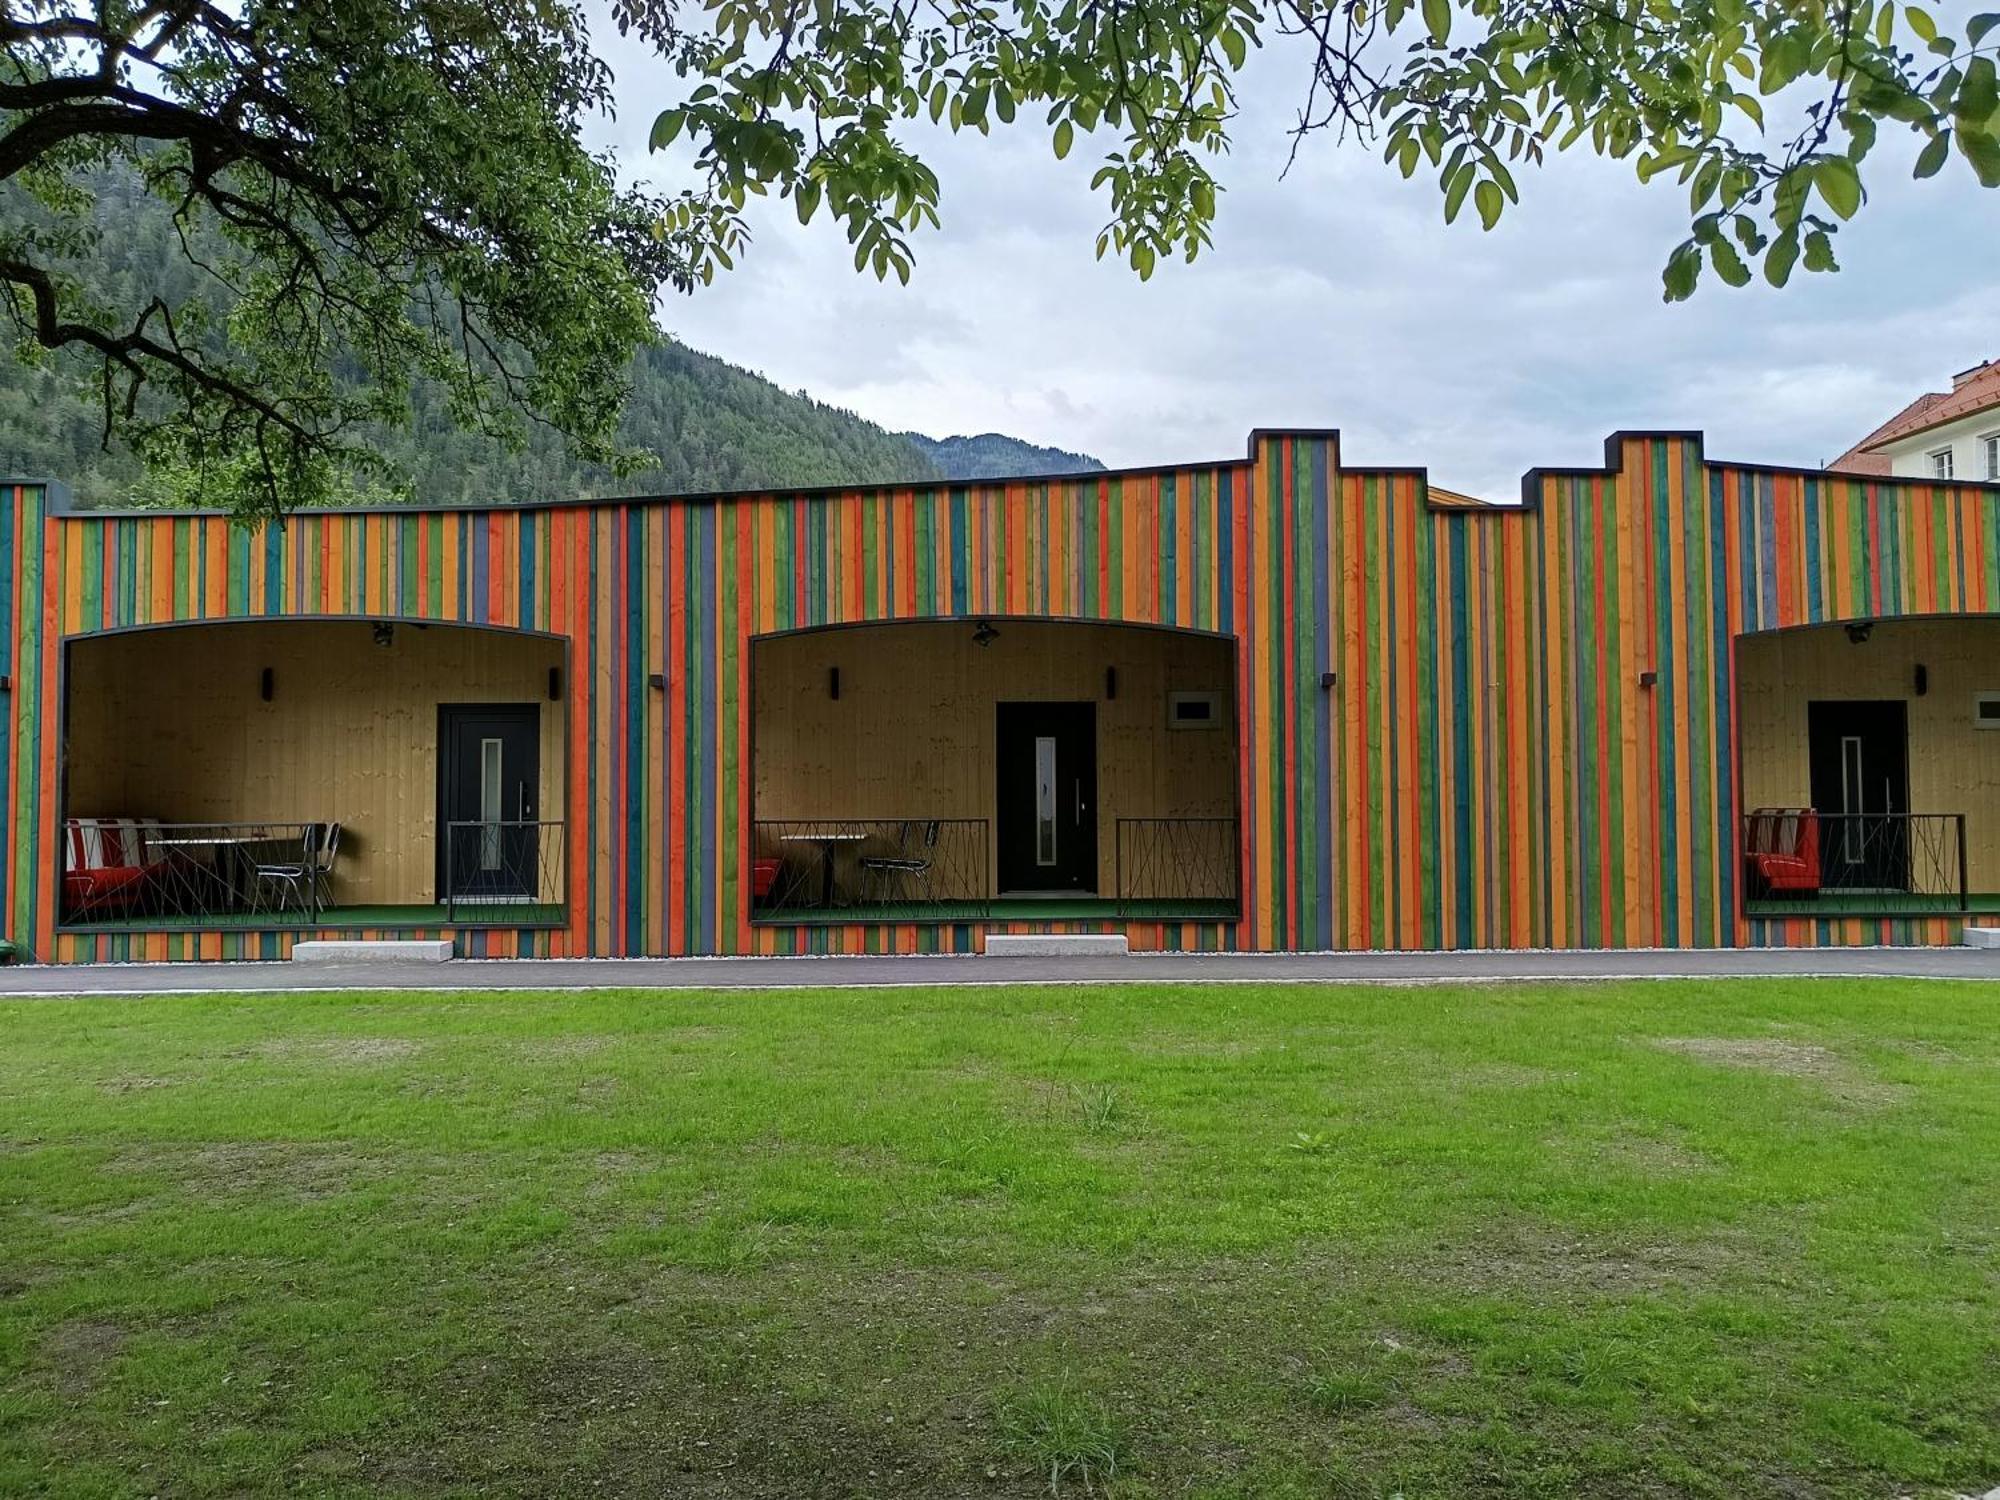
x=1194, y=710
x=1941, y=464
x=1986, y=710
x=1989, y=448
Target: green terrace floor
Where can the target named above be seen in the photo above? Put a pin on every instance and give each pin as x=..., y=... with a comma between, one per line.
x=410, y=914
x=1876, y=904
x=1002, y=909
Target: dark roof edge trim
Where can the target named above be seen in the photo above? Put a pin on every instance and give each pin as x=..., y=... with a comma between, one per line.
x=61, y=504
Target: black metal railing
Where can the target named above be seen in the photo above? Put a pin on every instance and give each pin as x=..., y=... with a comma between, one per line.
x=870, y=868
x=505, y=873
x=1168, y=862
x=1886, y=862
x=233, y=874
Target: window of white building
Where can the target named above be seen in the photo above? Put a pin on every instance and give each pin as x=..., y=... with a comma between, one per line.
x=1941, y=464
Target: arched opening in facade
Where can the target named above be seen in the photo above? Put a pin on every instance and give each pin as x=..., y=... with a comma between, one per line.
x=1010, y=768
x=1868, y=767
x=313, y=773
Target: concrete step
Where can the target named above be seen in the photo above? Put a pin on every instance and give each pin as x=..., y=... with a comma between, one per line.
x=1054, y=944
x=373, y=951
x=1981, y=937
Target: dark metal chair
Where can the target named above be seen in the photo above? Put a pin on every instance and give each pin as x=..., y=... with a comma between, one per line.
x=887, y=873
x=323, y=867
x=305, y=879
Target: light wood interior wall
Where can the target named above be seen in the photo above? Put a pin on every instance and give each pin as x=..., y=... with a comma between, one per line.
x=1954, y=767
x=912, y=734
x=169, y=724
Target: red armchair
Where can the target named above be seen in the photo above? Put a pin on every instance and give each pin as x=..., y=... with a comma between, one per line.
x=1781, y=849
x=107, y=865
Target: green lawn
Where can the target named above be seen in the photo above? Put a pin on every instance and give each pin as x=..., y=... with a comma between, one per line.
x=1723, y=1239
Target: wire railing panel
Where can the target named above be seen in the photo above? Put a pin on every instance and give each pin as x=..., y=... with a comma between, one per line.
x=870, y=868
x=504, y=873
x=266, y=874
x=1178, y=860
x=123, y=872
x=1890, y=862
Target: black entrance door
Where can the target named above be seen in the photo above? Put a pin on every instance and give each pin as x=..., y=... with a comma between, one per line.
x=1047, y=796
x=489, y=780
x=1860, y=755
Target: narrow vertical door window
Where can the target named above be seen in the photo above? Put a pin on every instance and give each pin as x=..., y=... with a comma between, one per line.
x=489, y=804
x=1045, y=800
x=1850, y=786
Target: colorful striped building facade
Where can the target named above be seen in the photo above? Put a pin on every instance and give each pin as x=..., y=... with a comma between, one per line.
x=1458, y=726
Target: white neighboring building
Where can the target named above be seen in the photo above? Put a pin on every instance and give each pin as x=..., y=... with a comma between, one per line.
x=1951, y=434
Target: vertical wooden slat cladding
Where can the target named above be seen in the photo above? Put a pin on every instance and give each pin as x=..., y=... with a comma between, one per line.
x=1487, y=768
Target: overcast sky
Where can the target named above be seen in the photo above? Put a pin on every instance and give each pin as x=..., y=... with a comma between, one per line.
x=1338, y=297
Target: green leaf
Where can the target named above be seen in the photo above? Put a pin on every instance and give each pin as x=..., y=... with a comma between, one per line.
x=1488, y=198
x=1683, y=271
x=1978, y=26
x=1982, y=153
x=1819, y=252
x=1778, y=263
x=1728, y=264
x=665, y=127
x=1437, y=20
x=1065, y=138
x=1234, y=47
x=1459, y=184
x=1784, y=60
x=1930, y=161
x=1839, y=184
x=1921, y=23
x=1979, y=95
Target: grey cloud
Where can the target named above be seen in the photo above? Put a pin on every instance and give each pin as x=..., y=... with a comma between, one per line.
x=1338, y=297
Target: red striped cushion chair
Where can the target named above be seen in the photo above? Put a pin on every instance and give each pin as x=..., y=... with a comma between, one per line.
x=1784, y=848
x=106, y=864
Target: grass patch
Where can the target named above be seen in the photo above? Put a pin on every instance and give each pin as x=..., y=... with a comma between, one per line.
x=1338, y=1394
x=1063, y=1433
x=1705, y=1239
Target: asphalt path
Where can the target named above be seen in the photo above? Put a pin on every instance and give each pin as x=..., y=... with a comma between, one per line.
x=1138, y=968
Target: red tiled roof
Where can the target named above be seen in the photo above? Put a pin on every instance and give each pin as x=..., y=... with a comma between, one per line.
x=1975, y=391
x=1854, y=461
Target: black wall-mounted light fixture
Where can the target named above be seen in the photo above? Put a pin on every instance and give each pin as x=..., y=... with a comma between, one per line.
x=555, y=684
x=385, y=633
x=1649, y=678
x=657, y=681
x=833, y=683
x=1110, y=684
x=266, y=684
x=1923, y=679
x=1327, y=680
x=983, y=634
x=1860, y=630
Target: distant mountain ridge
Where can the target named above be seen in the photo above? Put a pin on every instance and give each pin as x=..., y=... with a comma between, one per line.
x=710, y=425
x=994, y=455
